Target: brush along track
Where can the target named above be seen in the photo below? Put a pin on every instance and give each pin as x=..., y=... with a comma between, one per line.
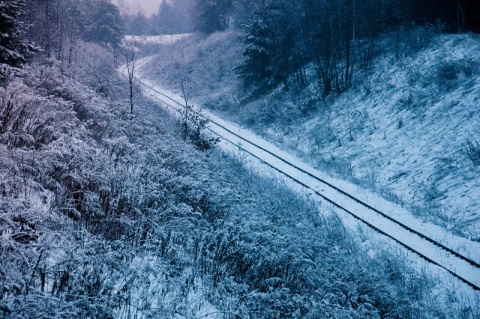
x=457, y=264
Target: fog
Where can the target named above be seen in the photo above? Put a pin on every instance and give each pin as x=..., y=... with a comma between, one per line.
x=148, y=7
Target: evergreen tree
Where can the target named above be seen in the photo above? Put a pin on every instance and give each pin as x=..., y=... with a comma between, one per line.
x=166, y=18
x=13, y=48
x=137, y=24
x=175, y=17
x=213, y=15
x=259, y=41
x=286, y=48
x=106, y=23
x=271, y=51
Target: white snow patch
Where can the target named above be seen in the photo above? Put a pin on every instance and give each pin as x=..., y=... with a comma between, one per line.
x=155, y=39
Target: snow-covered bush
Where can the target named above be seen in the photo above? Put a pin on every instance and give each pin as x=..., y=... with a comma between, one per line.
x=472, y=150
x=448, y=73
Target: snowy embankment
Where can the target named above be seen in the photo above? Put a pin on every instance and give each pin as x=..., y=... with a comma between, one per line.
x=231, y=142
x=411, y=132
x=408, y=131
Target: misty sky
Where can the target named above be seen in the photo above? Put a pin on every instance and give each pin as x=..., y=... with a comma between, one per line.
x=148, y=7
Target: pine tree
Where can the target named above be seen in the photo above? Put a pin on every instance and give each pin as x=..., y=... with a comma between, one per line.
x=259, y=41
x=175, y=17
x=166, y=18
x=106, y=23
x=137, y=24
x=272, y=50
x=213, y=15
x=13, y=48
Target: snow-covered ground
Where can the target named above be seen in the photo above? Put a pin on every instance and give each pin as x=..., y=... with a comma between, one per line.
x=155, y=39
x=406, y=133
x=463, y=245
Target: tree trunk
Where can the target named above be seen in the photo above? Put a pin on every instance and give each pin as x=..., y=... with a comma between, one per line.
x=131, y=96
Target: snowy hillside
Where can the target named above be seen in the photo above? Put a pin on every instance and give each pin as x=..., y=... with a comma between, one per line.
x=412, y=132
x=408, y=131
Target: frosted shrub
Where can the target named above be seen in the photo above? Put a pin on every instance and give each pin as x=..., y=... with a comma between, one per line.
x=472, y=150
x=448, y=73
x=27, y=120
x=86, y=204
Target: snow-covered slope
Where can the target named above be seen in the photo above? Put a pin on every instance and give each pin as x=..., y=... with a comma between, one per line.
x=409, y=131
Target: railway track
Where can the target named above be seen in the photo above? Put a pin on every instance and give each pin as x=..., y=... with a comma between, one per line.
x=441, y=254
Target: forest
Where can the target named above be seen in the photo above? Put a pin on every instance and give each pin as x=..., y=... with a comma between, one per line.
x=282, y=37
x=110, y=211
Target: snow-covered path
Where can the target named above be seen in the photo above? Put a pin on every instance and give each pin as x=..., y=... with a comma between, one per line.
x=356, y=201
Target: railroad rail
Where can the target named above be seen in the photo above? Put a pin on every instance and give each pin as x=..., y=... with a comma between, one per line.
x=457, y=264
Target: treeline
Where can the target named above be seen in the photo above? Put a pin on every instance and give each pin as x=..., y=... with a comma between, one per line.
x=171, y=17
x=339, y=37
x=61, y=31
x=186, y=16
x=56, y=25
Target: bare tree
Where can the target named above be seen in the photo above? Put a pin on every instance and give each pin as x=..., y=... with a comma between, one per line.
x=194, y=122
x=130, y=54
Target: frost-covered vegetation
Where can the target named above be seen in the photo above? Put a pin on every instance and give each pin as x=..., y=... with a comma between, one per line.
x=105, y=214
